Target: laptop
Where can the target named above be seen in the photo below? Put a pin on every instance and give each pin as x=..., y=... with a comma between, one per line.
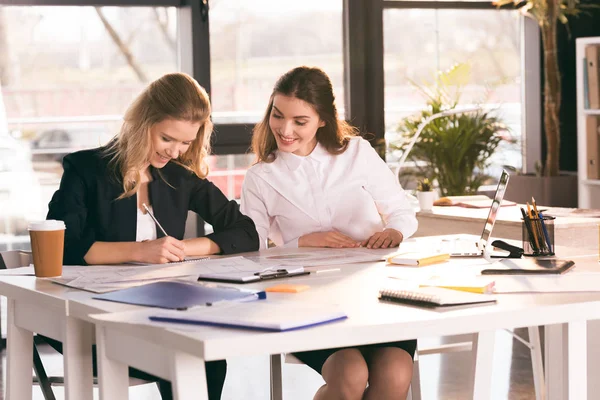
x=467, y=248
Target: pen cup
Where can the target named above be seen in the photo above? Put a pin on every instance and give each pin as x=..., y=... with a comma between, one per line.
x=538, y=236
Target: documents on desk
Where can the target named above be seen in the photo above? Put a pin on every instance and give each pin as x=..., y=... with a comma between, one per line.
x=102, y=279
x=321, y=256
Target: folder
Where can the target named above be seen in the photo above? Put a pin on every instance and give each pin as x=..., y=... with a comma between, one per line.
x=271, y=316
x=592, y=124
x=178, y=295
x=249, y=277
x=417, y=259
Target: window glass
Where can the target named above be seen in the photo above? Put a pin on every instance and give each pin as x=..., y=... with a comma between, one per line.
x=67, y=76
x=420, y=42
x=252, y=43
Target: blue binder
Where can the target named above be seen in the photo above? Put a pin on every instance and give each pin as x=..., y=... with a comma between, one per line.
x=178, y=295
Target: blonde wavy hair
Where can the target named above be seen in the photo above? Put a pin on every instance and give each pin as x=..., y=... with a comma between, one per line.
x=173, y=96
x=313, y=86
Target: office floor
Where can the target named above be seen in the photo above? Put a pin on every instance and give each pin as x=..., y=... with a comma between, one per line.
x=442, y=377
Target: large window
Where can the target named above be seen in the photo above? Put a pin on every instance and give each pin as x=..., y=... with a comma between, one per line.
x=68, y=74
x=254, y=42
x=420, y=43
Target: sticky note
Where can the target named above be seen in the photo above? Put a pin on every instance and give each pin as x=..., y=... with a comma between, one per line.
x=287, y=288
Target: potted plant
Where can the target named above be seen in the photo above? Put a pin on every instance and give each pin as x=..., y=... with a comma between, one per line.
x=453, y=150
x=548, y=14
x=425, y=194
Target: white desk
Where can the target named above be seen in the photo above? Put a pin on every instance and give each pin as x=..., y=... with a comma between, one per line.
x=36, y=305
x=63, y=314
x=167, y=353
x=41, y=307
x=577, y=232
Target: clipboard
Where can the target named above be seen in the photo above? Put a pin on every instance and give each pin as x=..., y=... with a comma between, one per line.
x=250, y=277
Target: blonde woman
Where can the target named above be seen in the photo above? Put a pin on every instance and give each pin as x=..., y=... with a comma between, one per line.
x=318, y=184
x=158, y=159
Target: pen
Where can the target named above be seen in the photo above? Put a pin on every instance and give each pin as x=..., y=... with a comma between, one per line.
x=546, y=233
x=154, y=218
x=320, y=271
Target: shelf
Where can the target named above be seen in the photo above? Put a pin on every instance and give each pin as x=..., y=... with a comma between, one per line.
x=591, y=182
x=591, y=112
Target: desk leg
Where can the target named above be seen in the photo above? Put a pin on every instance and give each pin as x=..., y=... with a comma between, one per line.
x=537, y=365
x=577, y=360
x=555, y=361
x=19, y=348
x=483, y=357
x=276, y=376
x=113, y=379
x=77, y=347
x=188, y=377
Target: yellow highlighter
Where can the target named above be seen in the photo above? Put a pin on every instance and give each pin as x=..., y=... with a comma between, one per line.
x=482, y=289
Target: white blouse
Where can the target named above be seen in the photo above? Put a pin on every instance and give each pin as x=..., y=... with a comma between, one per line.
x=145, y=227
x=354, y=193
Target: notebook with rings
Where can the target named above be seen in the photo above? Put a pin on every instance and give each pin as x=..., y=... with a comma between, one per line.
x=434, y=297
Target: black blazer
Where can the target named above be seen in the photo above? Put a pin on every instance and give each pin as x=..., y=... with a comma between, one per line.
x=86, y=202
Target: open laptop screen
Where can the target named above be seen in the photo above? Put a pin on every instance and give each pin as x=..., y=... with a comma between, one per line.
x=491, y=219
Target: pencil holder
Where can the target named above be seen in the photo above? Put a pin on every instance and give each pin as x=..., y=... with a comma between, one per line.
x=538, y=236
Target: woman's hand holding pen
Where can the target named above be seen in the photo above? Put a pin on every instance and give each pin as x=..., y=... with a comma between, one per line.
x=163, y=250
x=382, y=240
x=327, y=239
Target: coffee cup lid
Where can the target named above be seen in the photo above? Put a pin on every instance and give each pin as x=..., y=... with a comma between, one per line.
x=48, y=225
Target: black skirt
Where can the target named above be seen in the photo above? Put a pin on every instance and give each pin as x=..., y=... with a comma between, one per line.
x=316, y=358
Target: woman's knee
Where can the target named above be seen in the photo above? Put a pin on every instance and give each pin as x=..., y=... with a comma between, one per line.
x=391, y=368
x=346, y=372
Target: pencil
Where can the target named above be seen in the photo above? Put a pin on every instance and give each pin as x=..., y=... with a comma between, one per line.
x=527, y=223
x=533, y=228
x=154, y=218
x=540, y=225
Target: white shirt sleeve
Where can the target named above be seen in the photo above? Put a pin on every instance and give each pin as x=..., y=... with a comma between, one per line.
x=391, y=200
x=253, y=206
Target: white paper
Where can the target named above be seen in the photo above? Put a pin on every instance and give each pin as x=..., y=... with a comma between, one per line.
x=102, y=279
x=319, y=257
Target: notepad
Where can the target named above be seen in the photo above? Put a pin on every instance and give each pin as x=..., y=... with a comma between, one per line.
x=265, y=315
x=178, y=295
x=530, y=266
x=418, y=259
x=434, y=297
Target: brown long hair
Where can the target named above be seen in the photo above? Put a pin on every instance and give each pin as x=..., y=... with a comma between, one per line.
x=313, y=86
x=173, y=96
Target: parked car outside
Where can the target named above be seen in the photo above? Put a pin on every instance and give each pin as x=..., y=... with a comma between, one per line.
x=54, y=144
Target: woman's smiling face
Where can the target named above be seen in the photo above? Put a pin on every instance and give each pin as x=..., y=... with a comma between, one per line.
x=294, y=123
x=170, y=138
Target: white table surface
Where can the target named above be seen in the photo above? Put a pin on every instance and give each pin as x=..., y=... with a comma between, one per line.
x=370, y=321
x=40, y=306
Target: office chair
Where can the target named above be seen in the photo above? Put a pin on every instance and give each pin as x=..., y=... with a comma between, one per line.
x=15, y=259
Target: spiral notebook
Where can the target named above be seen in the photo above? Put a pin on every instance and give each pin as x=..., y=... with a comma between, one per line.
x=435, y=297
